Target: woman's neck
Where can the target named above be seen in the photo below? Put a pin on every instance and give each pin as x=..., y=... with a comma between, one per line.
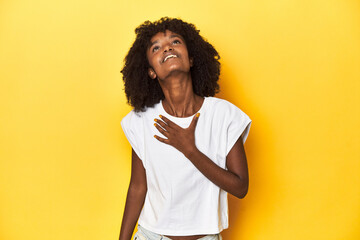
x=180, y=99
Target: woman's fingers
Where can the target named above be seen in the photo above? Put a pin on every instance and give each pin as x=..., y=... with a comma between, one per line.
x=164, y=140
x=168, y=122
x=165, y=133
x=180, y=138
x=161, y=123
x=194, y=121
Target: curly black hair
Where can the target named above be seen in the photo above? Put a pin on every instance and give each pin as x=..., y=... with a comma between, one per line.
x=142, y=91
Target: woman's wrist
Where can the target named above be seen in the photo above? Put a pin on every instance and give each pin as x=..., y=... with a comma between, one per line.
x=191, y=152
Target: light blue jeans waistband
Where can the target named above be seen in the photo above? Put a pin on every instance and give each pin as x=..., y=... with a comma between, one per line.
x=143, y=234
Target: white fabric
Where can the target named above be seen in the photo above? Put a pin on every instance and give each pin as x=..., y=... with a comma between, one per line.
x=144, y=234
x=180, y=200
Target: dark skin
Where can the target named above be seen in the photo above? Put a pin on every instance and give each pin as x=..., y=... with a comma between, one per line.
x=180, y=101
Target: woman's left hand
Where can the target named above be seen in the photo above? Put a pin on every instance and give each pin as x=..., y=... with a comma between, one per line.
x=183, y=139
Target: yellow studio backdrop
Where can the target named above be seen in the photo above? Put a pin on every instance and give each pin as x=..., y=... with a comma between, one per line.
x=292, y=66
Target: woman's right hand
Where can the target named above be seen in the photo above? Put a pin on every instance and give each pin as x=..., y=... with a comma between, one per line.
x=183, y=139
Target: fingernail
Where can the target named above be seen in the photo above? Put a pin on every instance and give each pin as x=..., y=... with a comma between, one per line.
x=155, y=120
x=160, y=116
x=198, y=114
x=154, y=136
x=155, y=124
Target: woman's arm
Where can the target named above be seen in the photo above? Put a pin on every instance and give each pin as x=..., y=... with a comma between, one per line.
x=135, y=198
x=235, y=180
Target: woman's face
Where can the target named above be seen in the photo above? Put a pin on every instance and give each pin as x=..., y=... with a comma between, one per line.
x=168, y=55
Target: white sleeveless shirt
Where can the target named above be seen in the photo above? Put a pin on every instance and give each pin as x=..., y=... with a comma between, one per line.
x=180, y=200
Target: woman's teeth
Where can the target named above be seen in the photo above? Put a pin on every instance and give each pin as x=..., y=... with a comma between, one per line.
x=170, y=56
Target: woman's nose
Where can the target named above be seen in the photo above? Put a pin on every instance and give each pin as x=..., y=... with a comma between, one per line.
x=168, y=48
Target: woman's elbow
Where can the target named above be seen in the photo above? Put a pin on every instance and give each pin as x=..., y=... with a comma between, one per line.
x=242, y=190
x=138, y=189
x=242, y=194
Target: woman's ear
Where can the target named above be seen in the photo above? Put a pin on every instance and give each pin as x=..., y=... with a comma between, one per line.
x=151, y=73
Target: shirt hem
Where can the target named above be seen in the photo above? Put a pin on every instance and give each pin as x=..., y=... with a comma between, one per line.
x=181, y=233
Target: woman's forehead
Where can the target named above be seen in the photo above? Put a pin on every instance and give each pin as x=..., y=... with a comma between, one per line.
x=167, y=33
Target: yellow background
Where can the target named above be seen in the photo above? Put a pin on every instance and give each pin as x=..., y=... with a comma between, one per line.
x=292, y=66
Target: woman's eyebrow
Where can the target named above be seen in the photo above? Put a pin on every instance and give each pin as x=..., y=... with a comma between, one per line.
x=175, y=35
x=153, y=43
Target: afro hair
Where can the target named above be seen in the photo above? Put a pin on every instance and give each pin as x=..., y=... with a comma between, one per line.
x=142, y=91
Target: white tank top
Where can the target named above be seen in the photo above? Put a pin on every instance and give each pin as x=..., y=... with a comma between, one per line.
x=180, y=200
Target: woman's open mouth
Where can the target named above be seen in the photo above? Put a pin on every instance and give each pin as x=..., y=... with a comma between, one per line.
x=169, y=56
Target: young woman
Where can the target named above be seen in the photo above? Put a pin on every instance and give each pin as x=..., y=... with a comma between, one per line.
x=187, y=145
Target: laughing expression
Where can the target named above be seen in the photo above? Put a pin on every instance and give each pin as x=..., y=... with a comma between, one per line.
x=168, y=55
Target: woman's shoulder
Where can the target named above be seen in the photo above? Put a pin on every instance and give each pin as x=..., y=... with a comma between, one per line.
x=222, y=105
x=134, y=117
x=131, y=120
x=224, y=110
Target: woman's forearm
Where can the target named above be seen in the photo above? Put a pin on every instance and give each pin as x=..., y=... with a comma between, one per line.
x=226, y=180
x=134, y=203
